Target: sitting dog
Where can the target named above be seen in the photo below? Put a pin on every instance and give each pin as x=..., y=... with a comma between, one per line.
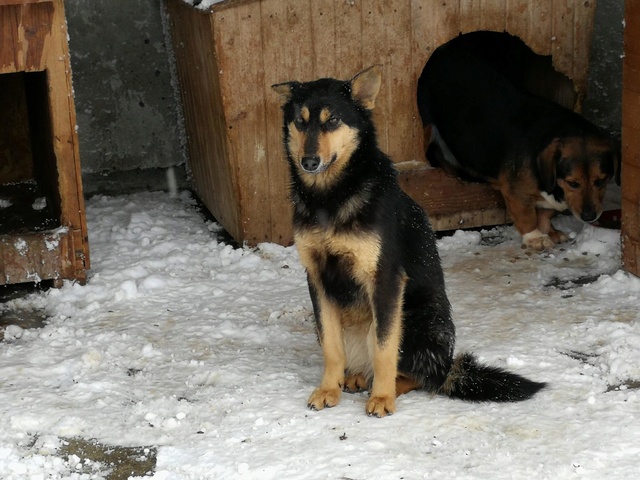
x=542, y=157
x=377, y=288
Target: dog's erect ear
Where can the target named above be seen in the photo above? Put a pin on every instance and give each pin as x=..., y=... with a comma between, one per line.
x=284, y=90
x=366, y=85
x=546, y=162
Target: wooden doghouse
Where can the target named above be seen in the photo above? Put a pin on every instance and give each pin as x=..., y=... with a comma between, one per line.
x=631, y=139
x=43, y=233
x=229, y=56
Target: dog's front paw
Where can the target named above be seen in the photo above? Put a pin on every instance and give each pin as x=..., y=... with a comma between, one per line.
x=381, y=406
x=324, y=397
x=536, y=240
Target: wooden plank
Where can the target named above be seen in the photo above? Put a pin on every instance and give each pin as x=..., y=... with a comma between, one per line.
x=540, y=30
x=239, y=47
x=447, y=19
x=423, y=29
x=374, y=50
x=198, y=74
x=631, y=108
x=33, y=257
x=288, y=49
x=323, y=34
x=562, y=35
x=517, y=13
x=630, y=229
x=349, y=38
x=493, y=15
x=402, y=120
x=584, y=14
x=9, y=27
x=450, y=200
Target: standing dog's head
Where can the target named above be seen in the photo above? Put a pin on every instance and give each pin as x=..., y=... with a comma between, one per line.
x=576, y=170
x=324, y=121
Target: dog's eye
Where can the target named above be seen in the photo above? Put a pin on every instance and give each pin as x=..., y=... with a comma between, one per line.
x=600, y=182
x=332, y=122
x=572, y=184
x=298, y=121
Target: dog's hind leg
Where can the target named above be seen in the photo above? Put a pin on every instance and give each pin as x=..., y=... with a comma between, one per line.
x=405, y=384
x=356, y=383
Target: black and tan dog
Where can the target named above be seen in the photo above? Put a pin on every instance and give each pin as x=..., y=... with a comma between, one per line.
x=542, y=157
x=383, y=318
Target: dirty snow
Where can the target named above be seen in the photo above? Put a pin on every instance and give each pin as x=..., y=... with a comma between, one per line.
x=208, y=353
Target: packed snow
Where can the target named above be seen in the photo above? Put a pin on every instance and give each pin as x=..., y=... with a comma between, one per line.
x=207, y=353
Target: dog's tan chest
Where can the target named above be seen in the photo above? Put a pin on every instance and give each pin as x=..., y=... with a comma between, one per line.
x=357, y=252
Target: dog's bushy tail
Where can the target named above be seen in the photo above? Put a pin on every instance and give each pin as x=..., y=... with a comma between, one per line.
x=472, y=381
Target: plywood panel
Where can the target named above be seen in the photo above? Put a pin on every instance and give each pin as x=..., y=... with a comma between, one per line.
x=288, y=48
x=213, y=176
x=239, y=50
x=323, y=34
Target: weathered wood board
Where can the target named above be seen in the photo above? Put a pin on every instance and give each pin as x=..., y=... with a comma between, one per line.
x=631, y=139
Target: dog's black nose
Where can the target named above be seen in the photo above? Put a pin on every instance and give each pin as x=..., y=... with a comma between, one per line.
x=589, y=214
x=310, y=163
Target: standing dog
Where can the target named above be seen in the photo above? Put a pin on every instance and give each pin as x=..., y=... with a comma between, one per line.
x=382, y=315
x=542, y=157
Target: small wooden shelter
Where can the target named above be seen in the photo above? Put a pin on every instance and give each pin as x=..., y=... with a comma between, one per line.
x=229, y=56
x=43, y=233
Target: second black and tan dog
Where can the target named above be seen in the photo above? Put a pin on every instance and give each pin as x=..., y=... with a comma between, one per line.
x=377, y=288
x=542, y=157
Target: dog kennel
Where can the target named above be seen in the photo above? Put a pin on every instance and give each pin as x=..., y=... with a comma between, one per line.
x=229, y=56
x=43, y=234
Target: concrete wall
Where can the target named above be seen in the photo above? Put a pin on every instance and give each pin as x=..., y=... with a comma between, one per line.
x=127, y=110
x=604, y=96
x=125, y=103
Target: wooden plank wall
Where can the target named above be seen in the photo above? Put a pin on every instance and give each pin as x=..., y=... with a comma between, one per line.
x=631, y=139
x=262, y=42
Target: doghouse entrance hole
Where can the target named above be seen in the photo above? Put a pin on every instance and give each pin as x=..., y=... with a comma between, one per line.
x=527, y=70
x=29, y=193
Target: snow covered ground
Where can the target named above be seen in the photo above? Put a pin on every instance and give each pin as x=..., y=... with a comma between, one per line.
x=208, y=353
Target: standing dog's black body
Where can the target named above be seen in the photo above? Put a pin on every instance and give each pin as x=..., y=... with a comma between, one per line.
x=484, y=126
x=374, y=274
